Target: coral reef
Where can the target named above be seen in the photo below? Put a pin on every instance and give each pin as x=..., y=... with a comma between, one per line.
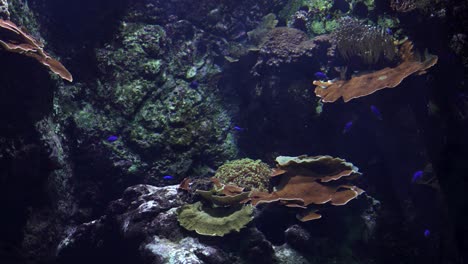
x=165, y=126
x=311, y=181
x=13, y=39
x=304, y=181
x=247, y=173
x=369, y=83
x=168, y=89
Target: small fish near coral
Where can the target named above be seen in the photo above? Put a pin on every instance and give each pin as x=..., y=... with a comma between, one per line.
x=320, y=75
x=427, y=233
x=376, y=112
x=194, y=85
x=238, y=128
x=168, y=177
x=112, y=138
x=417, y=176
x=347, y=127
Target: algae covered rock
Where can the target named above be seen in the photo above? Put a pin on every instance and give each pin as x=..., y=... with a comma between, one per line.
x=214, y=221
x=247, y=173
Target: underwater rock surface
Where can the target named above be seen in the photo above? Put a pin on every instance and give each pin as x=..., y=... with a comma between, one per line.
x=144, y=220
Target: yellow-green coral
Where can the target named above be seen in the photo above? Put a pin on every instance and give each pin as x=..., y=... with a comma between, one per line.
x=268, y=23
x=247, y=173
x=217, y=221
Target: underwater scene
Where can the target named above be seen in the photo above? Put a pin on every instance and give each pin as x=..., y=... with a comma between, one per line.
x=233, y=131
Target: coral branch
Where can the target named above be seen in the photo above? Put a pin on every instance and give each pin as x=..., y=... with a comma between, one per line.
x=369, y=83
x=13, y=39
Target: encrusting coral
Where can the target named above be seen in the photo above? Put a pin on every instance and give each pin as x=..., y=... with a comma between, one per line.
x=13, y=39
x=223, y=212
x=362, y=85
x=214, y=221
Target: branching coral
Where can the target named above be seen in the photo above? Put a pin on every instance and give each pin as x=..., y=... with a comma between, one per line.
x=369, y=83
x=368, y=44
x=408, y=5
x=13, y=39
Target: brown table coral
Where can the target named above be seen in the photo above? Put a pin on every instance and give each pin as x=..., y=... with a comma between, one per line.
x=311, y=181
x=369, y=83
x=13, y=39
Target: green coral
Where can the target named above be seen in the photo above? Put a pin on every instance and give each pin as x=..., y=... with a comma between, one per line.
x=370, y=4
x=217, y=221
x=152, y=67
x=246, y=173
x=191, y=72
x=331, y=25
x=130, y=94
x=318, y=23
x=92, y=121
x=318, y=27
x=268, y=23
x=315, y=5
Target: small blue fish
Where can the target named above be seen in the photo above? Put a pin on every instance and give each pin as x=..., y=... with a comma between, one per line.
x=376, y=112
x=347, y=127
x=320, y=75
x=194, y=85
x=328, y=17
x=168, y=177
x=112, y=138
x=427, y=233
x=238, y=128
x=417, y=175
x=389, y=31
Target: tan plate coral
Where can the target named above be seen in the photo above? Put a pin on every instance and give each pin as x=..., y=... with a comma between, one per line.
x=14, y=39
x=312, y=181
x=369, y=83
